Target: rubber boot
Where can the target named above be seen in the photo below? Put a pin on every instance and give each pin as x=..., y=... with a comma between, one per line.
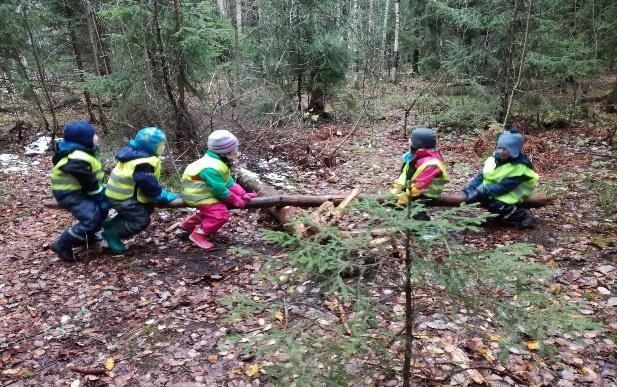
x=111, y=237
x=527, y=221
x=190, y=223
x=63, y=247
x=200, y=239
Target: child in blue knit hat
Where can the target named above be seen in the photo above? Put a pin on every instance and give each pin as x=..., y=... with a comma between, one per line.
x=77, y=185
x=134, y=187
x=506, y=180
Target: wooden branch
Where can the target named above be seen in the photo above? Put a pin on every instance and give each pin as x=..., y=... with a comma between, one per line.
x=284, y=206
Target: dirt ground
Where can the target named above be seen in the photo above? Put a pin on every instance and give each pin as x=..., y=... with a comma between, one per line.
x=156, y=313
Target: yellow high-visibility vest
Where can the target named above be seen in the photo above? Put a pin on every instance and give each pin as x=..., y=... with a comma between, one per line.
x=435, y=189
x=61, y=181
x=494, y=174
x=197, y=192
x=122, y=186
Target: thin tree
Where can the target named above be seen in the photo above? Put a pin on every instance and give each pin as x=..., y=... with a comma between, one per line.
x=78, y=58
x=397, y=31
x=95, y=59
x=507, y=62
x=385, y=35
x=41, y=73
x=222, y=8
x=520, y=68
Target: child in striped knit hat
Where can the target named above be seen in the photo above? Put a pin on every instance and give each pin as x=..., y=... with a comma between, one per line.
x=207, y=184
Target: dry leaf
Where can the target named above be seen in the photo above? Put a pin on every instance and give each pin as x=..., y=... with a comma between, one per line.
x=533, y=345
x=252, y=370
x=279, y=315
x=495, y=338
x=588, y=372
x=110, y=363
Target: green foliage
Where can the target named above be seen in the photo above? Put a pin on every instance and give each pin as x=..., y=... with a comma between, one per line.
x=334, y=266
x=606, y=194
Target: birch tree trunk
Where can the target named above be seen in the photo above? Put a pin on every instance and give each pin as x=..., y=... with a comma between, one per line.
x=385, y=35
x=239, y=18
x=95, y=60
x=222, y=9
x=353, y=32
x=397, y=31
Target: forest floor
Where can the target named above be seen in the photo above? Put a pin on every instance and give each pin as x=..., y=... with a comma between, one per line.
x=154, y=316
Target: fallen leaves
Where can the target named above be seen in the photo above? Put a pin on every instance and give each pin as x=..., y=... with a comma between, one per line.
x=252, y=370
x=110, y=363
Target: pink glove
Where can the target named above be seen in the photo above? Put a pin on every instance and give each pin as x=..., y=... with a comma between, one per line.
x=235, y=201
x=238, y=190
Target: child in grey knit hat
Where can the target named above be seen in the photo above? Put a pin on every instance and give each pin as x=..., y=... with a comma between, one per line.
x=208, y=186
x=506, y=180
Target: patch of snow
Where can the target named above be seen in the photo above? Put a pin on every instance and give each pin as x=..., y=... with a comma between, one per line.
x=11, y=163
x=39, y=147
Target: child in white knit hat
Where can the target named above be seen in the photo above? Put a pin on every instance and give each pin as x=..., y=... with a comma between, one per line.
x=207, y=184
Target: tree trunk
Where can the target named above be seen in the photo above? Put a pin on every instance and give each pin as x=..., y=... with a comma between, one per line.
x=506, y=76
x=611, y=99
x=95, y=60
x=42, y=77
x=521, y=65
x=179, y=56
x=222, y=9
x=80, y=67
x=353, y=41
x=21, y=68
x=385, y=35
x=409, y=307
x=239, y=18
x=397, y=31
x=161, y=60
x=317, y=101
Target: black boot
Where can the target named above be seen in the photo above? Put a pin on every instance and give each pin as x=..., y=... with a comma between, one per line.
x=63, y=247
x=527, y=221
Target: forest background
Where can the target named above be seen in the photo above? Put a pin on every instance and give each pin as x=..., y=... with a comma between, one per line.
x=322, y=95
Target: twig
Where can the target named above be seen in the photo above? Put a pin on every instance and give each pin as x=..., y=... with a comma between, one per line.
x=342, y=315
x=498, y=372
x=89, y=370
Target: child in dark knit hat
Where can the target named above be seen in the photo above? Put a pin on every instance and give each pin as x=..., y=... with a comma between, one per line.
x=423, y=174
x=77, y=185
x=506, y=180
x=207, y=184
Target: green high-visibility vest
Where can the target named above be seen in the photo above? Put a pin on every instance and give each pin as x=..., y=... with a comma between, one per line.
x=122, y=186
x=61, y=181
x=197, y=192
x=435, y=189
x=494, y=174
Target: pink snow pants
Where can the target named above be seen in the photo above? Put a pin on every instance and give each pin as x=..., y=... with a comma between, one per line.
x=213, y=217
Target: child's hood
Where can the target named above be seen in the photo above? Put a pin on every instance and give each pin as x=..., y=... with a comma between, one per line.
x=63, y=148
x=130, y=152
x=421, y=154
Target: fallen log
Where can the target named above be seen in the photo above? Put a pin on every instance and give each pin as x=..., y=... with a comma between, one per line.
x=282, y=207
x=283, y=213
